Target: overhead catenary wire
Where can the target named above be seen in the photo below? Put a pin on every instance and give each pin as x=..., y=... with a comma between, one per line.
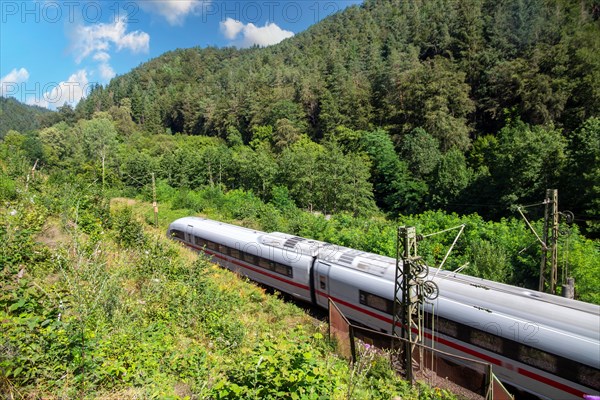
x=462, y=228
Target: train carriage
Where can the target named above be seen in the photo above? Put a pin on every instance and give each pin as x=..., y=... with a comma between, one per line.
x=539, y=343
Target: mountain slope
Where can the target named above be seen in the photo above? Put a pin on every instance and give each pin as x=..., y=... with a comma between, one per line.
x=486, y=104
x=449, y=67
x=17, y=116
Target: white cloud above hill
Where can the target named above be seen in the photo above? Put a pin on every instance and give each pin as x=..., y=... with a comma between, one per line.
x=88, y=39
x=9, y=83
x=70, y=91
x=247, y=35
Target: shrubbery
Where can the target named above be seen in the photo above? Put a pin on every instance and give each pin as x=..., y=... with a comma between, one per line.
x=116, y=309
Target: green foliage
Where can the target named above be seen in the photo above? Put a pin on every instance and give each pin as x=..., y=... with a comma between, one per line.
x=583, y=263
x=421, y=152
x=277, y=369
x=450, y=178
x=280, y=198
x=394, y=188
x=491, y=261
x=523, y=162
x=37, y=343
x=59, y=144
x=18, y=116
x=19, y=222
x=342, y=182
x=137, y=169
x=129, y=231
x=234, y=137
x=482, y=106
x=99, y=137
x=502, y=251
x=256, y=168
x=583, y=171
x=194, y=161
x=111, y=312
x=436, y=97
x=8, y=188
x=299, y=171
x=435, y=76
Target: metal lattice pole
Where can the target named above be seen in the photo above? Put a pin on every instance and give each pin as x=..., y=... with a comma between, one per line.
x=554, y=242
x=404, y=304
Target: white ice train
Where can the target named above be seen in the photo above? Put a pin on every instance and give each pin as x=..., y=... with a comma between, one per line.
x=538, y=343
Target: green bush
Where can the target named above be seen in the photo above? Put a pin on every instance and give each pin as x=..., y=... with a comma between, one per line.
x=279, y=369
x=8, y=188
x=129, y=232
x=36, y=341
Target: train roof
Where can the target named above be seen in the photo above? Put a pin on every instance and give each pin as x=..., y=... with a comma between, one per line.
x=344, y=256
x=519, y=291
x=216, y=228
x=291, y=243
x=363, y=261
x=371, y=263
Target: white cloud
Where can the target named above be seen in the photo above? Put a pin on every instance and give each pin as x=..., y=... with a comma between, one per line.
x=250, y=34
x=231, y=28
x=10, y=82
x=174, y=11
x=98, y=39
x=102, y=56
x=104, y=68
x=106, y=71
x=70, y=91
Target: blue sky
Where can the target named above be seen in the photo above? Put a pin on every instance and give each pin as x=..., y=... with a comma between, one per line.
x=51, y=51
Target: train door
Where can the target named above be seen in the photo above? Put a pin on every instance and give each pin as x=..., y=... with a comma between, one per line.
x=190, y=234
x=321, y=283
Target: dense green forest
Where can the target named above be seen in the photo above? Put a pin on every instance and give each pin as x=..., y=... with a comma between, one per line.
x=486, y=104
x=21, y=117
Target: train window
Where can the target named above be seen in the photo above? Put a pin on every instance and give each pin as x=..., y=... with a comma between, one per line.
x=235, y=253
x=446, y=327
x=264, y=263
x=538, y=358
x=199, y=241
x=284, y=270
x=178, y=234
x=211, y=245
x=376, y=302
x=249, y=258
x=252, y=248
x=589, y=376
x=223, y=249
x=486, y=340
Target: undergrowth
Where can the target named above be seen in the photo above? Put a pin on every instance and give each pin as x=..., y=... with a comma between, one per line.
x=96, y=303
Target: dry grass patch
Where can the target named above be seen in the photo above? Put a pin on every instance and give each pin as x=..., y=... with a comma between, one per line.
x=52, y=235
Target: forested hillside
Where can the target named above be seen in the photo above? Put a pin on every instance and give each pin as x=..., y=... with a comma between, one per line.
x=486, y=103
x=19, y=117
